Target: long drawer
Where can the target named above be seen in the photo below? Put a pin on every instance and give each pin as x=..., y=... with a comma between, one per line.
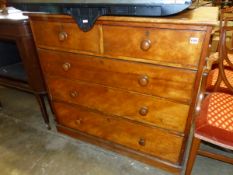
x=176, y=84
x=151, y=141
x=65, y=36
x=134, y=106
x=181, y=47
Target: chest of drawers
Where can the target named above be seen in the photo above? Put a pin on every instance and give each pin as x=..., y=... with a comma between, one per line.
x=129, y=84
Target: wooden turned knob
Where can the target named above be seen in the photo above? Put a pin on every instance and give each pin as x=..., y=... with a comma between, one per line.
x=73, y=94
x=78, y=121
x=142, y=142
x=143, y=111
x=62, y=36
x=145, y=45
x=143, y=80
x=66, y=66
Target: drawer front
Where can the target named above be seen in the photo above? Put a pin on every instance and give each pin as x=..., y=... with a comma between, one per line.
x=181, y=47
x=65, y=36
x=134, y=106
x=151, y=141
x=176, y=84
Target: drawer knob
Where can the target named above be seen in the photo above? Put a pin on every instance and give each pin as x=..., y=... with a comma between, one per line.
x=78, y=121
x=143, y=111
x=142, y=142
x=145, y=45
x=66, y=66
x=62, y=36
x=73, y=94
x=143, y=80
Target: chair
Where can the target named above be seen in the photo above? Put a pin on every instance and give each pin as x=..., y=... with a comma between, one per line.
x=224, y=13
x=215, y=79
x=222, y=3
x=214, y=124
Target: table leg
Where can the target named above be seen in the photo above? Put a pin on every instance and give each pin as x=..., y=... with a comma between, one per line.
x=41, y=101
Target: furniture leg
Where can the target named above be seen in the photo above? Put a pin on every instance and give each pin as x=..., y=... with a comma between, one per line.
x=192, y=155
x=50, y=104
x=40, y=99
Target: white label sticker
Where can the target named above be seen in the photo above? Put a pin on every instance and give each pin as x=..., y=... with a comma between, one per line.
x=194, y=40
x=85, y=21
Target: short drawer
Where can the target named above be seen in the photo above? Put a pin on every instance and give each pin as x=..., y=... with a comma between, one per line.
x=172, y=83
x=177, y=47
x=148, y=140
x=65, y=36
x=134, y=106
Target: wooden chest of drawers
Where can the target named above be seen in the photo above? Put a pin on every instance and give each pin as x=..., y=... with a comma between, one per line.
x=130, y=84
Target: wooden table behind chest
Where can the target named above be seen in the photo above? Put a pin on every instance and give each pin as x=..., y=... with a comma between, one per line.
x=19, y=65
x=129, y=84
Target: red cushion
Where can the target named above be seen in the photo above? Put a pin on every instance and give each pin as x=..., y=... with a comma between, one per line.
x=215, y=122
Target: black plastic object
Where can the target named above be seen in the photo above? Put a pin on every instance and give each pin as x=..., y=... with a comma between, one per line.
x=86, y=14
